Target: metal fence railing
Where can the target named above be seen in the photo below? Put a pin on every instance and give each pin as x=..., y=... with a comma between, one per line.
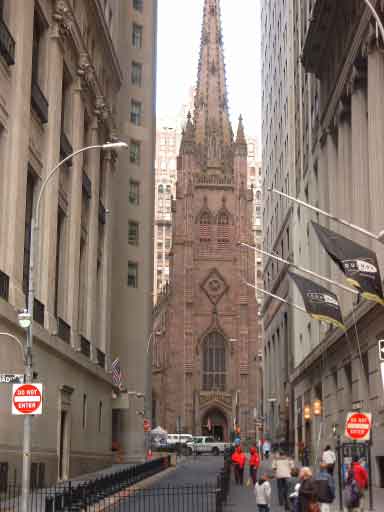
x=93, y=495
x=122, y=492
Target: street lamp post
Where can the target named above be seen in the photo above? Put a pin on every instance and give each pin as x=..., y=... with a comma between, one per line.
x=26, y=475
x=375, y=14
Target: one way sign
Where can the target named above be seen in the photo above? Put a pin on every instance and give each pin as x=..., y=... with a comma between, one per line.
x=381, y=350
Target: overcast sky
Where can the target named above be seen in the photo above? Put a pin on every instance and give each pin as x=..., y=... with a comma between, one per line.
x=178, y=49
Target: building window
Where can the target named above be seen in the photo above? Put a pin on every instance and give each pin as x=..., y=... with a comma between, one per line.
x=3, y=472
x=136, y=73
x=214, y=362
x=60, y=263
x=205, y=226
x=84, y=421
x=138, y=5
x=28, y=223
x=133, y=275
x=135, y=150
x=39, y=27
x=136, y=112
x=134, y=192
x=100, y=419
x=133, y=233
x=137, y=36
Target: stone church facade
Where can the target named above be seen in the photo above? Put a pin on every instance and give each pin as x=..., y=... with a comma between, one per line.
x=205, y=343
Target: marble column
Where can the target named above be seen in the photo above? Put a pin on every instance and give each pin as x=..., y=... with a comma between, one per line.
x=344, y=153
x=75, y=214
x=331, y=151
x=106, y=292
x=375, y=141
x=343, y=186
x=12, y=252
x=49, y=206
x=93, y=235
x=360, y=196
x=324, y=198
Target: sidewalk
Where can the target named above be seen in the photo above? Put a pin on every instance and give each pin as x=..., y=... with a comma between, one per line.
x=242, y=499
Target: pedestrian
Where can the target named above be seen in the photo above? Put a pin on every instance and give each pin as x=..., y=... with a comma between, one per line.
x=254, y=463
x=293, y=484
x=360, y=475
x=325, y=486
x=308, y=501
x=351, y=493
x=282, y=466
x=239, y=460
x=263, y=494
x=305, y=456
x=329, y=458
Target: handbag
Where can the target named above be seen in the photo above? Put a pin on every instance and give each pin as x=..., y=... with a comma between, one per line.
x=314, y=507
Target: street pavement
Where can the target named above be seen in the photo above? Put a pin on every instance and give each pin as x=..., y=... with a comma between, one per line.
x=190, y=487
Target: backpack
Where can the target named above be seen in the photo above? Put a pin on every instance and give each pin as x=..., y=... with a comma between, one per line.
x=324, y=491
x=351, y=494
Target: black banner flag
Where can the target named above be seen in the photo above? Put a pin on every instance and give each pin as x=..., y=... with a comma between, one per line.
x=319, y=302
x=358, y=263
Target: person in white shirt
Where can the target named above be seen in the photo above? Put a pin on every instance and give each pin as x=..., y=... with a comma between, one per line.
x=282, y=466
x=263, y=494
x=329, y=458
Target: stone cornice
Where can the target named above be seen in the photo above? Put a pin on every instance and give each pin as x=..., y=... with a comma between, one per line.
x=331, y=106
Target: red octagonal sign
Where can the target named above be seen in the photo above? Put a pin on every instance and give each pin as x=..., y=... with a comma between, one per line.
x=358, y=426
x=27, y=399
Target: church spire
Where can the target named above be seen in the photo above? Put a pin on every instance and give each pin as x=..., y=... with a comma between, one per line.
x=213, y=131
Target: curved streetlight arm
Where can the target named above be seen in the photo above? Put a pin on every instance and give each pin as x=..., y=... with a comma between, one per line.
x=376, y=16
x=48, y=178
x=14, y=338
x=151, y=337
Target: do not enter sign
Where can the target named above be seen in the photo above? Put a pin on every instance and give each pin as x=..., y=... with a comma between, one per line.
x=27, y=399
x=358, y=426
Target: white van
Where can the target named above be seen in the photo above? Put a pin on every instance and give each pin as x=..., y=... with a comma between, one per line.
x=173, y=439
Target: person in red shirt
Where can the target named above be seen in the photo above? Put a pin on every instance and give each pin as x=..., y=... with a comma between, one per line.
x=254, y=463
x=360, y=475
x=239, y=460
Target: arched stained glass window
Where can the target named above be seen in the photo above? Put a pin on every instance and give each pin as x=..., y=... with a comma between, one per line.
x=205, y=230
x=223, y=219
x=214, y=366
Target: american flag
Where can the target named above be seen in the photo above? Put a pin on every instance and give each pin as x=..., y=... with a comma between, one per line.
x=116, y=373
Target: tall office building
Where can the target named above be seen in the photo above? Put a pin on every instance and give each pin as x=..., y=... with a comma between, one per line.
x=134, y=198
x=60, y=76
x=344, y=65
x=278, y=161
x=167, y=145
x=59, y=79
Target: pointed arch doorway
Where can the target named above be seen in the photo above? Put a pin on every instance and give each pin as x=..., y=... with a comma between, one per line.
x=214, y=423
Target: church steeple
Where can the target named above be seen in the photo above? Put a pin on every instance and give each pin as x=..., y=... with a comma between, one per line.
x=213, y=131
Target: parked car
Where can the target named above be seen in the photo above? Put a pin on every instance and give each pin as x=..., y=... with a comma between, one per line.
x=206, y=444
x=174, y=440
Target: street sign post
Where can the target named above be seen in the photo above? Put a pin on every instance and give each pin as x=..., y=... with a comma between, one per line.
x=358, y=426
x=11, y=378
x=27, y=399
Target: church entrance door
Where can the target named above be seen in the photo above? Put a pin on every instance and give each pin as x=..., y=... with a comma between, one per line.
x=214, y=423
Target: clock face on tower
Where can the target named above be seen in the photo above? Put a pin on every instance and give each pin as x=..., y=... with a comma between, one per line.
x=214, y=286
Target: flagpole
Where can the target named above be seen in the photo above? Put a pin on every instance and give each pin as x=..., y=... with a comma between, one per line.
x=276, y=297
x=379, y=237
x=305, y=270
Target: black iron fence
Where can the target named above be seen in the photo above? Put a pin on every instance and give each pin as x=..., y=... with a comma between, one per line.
x=122, y=492
x=94, y=495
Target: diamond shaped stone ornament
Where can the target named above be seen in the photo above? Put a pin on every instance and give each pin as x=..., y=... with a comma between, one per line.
x=214, y=286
